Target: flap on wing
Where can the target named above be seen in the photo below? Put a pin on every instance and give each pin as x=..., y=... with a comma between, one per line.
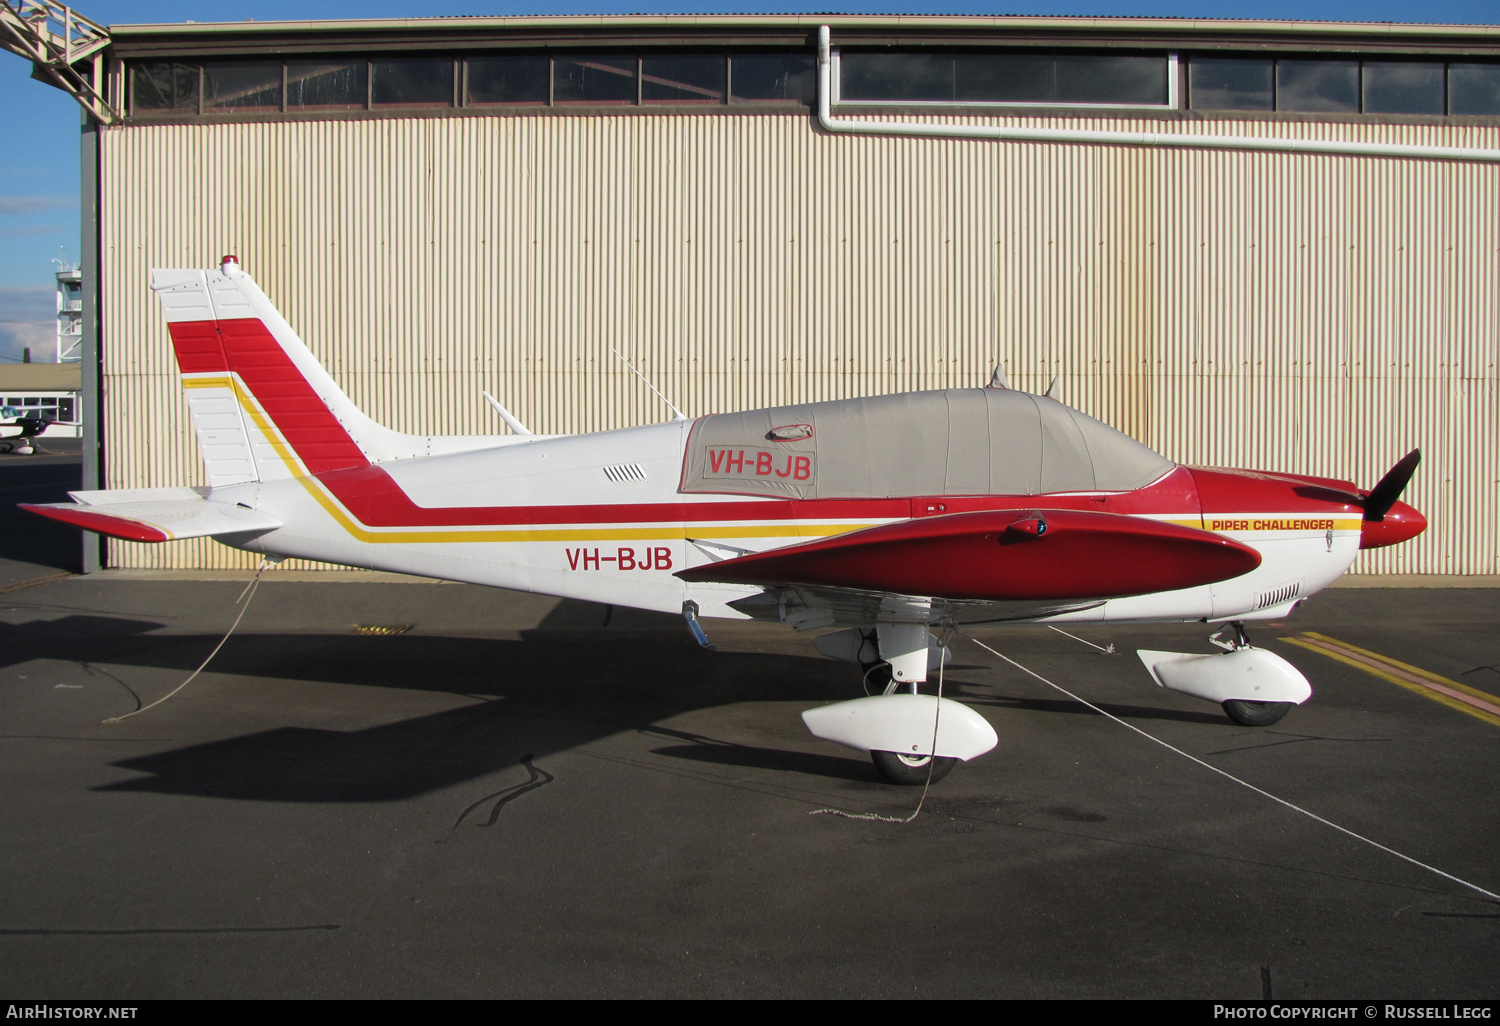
x=1000, y=555
x=168, y=516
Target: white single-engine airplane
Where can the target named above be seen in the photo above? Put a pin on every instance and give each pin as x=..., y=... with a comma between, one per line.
x=884, y=516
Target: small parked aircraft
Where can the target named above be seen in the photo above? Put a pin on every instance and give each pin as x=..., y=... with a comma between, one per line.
x=881, y=517
x=18, y=427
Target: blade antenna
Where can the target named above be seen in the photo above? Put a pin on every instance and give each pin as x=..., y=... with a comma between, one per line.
x=676, y=413
x=505, y=415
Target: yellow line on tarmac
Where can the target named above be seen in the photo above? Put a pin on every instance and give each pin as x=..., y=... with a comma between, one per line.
x=1480, y=704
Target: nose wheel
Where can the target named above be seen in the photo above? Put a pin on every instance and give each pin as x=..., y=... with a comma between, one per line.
x=1255, y=714
x=1243, y=712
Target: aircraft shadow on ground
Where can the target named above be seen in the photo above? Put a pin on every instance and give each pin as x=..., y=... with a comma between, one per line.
x=704, y=749
x=545, y=693
x=25, y=537
x=536, y=696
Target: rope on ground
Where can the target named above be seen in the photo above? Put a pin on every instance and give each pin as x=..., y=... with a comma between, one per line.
x=1263, y=793
x=1107, y=651
x=245, y=596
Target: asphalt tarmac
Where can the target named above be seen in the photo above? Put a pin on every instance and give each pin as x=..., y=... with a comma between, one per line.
x=499, y=795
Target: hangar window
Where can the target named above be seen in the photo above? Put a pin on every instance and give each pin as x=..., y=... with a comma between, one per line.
x=1353, y=87
x=521, y=79
x=1005, y=78
x=1398, y=87
x=1474, y=89
x=164, y=87
x=1232, y=84
x=327, y=85
x=236, y=87
x=411, y=82
x=594, y=78
x=1319, y=86
x=684, y=78
x=896, y=77
x=769, y=77
x=1214, y=82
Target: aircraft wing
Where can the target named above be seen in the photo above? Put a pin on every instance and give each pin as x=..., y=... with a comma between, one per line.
x=999, y=556
x=807, y=608
x=155, y=514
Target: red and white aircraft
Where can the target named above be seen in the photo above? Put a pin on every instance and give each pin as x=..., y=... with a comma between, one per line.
x=885, y=517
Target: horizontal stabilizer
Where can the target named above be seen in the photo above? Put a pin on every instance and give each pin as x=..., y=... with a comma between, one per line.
x=156, y=515
x=1000, y=555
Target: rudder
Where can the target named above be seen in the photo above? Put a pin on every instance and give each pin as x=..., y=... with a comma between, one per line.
x=263, y=408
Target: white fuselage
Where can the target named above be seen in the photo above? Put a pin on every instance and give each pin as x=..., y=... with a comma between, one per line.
x=600, y=518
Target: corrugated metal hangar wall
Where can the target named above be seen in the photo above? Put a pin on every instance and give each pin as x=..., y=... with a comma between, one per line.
x=1315, y=314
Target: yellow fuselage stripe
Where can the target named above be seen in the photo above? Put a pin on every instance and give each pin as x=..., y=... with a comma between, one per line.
x=315, y=488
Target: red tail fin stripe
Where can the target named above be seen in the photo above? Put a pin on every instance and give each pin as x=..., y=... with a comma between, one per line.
x=197, y=346
x=246, y=347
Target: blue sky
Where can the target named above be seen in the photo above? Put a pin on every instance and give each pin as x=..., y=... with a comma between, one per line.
x=39, y=124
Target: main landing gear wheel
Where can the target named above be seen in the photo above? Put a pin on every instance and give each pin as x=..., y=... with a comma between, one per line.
x=1255, y=714
x=909, y=770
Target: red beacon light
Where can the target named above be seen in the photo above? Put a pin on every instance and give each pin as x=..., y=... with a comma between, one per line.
x=229, y=264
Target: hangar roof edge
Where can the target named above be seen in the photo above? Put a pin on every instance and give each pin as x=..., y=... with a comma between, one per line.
x=1165, y=26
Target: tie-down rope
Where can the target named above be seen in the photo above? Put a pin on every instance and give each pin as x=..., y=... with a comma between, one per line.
x=1266, y=794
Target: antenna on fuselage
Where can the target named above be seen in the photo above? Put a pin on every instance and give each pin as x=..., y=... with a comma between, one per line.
x=676, y=413
x=999, y=380
x=505, y=415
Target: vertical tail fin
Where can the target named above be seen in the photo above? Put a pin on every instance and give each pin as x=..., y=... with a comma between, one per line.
x=263, y=407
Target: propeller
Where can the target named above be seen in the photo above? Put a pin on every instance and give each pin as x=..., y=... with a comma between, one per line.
x=1384, y=495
